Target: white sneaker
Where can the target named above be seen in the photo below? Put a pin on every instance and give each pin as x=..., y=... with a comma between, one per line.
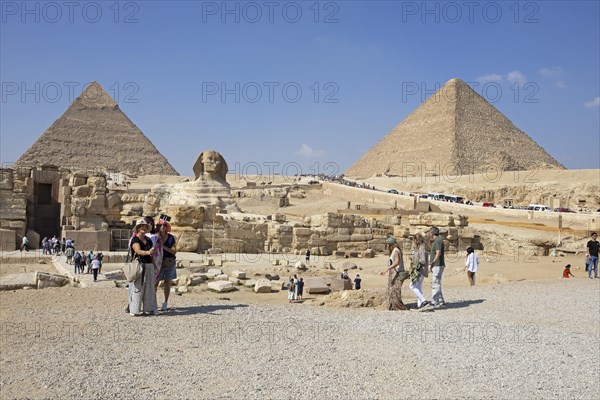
x=164, y=306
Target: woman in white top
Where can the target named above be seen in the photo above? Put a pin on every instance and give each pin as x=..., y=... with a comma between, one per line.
x=420, y=255
x=471, y=264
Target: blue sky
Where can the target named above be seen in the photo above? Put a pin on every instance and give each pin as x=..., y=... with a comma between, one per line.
x=196, y=75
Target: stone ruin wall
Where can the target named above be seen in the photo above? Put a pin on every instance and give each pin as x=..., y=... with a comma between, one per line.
x=89, y=205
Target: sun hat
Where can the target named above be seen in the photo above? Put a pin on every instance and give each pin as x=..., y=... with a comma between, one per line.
x=141, y=222
x=390, y=240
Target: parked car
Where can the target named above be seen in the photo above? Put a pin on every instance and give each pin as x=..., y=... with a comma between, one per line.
x=563, y=209
x=488, y=204
x=538, y=207
x=393, y=191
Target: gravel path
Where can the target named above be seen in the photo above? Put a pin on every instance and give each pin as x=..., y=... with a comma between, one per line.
x=510, y=341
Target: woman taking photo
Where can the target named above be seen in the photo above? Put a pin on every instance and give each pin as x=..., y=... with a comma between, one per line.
x=142, y=294
x=396, y=276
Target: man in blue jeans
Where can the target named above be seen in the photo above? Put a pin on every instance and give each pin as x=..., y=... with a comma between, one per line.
x=592, y=252
x=436, y=266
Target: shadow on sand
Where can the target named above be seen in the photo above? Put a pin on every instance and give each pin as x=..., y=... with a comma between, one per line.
x=457, y=304
x=208, y=309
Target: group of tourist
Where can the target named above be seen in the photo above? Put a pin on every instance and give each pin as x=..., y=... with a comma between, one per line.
x=422, y=263
x=295, y=288
x=56, y=246
x=80, y=260
x=155, y=248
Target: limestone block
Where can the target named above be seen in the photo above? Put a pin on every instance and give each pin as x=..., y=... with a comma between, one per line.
x=316, y=285
x=187, y=239
x=337, y=284
x=78, y=180
x=6, y=179
x=215, y=271
x=235, y=281
x=262, y=285
x=221, y=286
x=221, y=277
x=361, y=237
x=45, y=280
x=96, y=205
x=13, y=205
x=82, y=191
x=369, y=253
x=238, y=274
x=302, y=232
x=277, y=285
x=432, y=219
x=452, y=234
x=349, y=265
x=249, y=283
x=197, y=279
x=8, y=240
x=300, y=266
x=187, y=215
x=113, y=200
x=18, y=281
x=97, y=181
x=270, y=277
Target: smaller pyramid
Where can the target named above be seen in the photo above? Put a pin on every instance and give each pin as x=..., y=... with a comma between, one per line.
x=94, y=134
x=455, y=129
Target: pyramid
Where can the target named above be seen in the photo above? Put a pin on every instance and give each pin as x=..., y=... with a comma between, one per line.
x=94, y=134
x=455, y=131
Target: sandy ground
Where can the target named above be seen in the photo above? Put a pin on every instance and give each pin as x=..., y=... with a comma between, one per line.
x=530, y=339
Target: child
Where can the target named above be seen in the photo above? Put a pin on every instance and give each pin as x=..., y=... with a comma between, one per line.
x=357, y=282
x=300, y=288
x=567, y=271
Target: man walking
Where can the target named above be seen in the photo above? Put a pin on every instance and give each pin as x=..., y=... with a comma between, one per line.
x=592, y=253
x=436, y=266
x=25, y=244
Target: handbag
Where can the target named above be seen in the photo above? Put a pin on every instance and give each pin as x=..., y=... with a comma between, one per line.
x=132, y=270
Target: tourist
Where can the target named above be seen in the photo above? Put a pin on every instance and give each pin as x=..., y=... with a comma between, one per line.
x=299, y=289
x=44, y=242
x=100, y=258
x=357, y=281
x=95, y=267
x=25, y=244
x=295, y=286
x=471, y=264
x=436, y=266
x=70, y=243
x=168, y=271
x=419, y=258
x=142, y=294
x=592, y=252
x=63, y=245
x=157, y=256
x=83, y=262
x=69, y=253
x=307, y=256
x=396, y=276
x=567, y=271
x=344, y=274
x=291, y=289
x=89, y=260
x=76, y=262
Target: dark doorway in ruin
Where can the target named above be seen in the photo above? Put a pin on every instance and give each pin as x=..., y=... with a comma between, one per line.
x=47, y=211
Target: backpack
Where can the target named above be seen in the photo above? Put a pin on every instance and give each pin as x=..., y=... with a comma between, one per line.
x=77, y=257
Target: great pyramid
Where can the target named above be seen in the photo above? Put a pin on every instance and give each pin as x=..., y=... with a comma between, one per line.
x=455, y=131
x=94, y=134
